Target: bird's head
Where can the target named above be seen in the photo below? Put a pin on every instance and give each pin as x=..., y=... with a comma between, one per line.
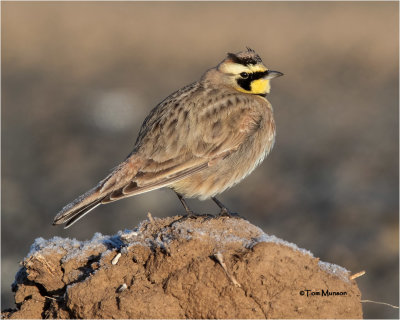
x=245, y=72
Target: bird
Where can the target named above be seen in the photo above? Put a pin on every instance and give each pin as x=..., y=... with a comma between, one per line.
x=199, y=141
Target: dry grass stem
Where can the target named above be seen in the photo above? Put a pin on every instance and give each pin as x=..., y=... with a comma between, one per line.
x=150, y=217
x=357, y=275
x=220, y=259
x=377, y=302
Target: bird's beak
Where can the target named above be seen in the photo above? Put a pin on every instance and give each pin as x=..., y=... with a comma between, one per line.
x=272, y=74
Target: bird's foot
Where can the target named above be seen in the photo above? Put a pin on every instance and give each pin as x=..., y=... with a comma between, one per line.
x=192, y=215
x=226, y=213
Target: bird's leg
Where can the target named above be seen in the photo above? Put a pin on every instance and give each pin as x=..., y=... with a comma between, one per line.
x=224, y=210
x=189, y=212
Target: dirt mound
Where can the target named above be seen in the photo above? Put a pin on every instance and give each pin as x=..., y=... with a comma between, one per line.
x=193, y=268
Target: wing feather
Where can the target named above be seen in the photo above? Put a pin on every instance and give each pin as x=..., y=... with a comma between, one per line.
x=133, y=189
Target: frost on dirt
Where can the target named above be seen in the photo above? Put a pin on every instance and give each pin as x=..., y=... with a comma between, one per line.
x=267, y=238
x=252, y=235
x=58, y=244
x=232, y=231
x=335, y=270
x=249, y=241
x=74, y=249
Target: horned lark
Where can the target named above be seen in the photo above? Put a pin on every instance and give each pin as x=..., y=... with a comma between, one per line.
x=199, y=141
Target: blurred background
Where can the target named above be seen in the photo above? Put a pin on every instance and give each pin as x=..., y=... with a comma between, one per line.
x=79, y=78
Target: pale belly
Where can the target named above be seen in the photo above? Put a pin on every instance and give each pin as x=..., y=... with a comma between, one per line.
x=229, y=171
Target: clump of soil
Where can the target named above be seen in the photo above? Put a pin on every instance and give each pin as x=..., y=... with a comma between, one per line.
x=176, y=268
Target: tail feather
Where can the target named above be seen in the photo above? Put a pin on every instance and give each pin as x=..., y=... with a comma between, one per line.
x=79, y=207
x=82, y=212
x=74, y=211
x=122, y=183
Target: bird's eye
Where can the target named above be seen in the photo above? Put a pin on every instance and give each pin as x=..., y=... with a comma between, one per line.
x=244, y=75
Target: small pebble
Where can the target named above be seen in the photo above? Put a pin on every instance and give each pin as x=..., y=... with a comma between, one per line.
x=122, y=287
x=116, y=258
